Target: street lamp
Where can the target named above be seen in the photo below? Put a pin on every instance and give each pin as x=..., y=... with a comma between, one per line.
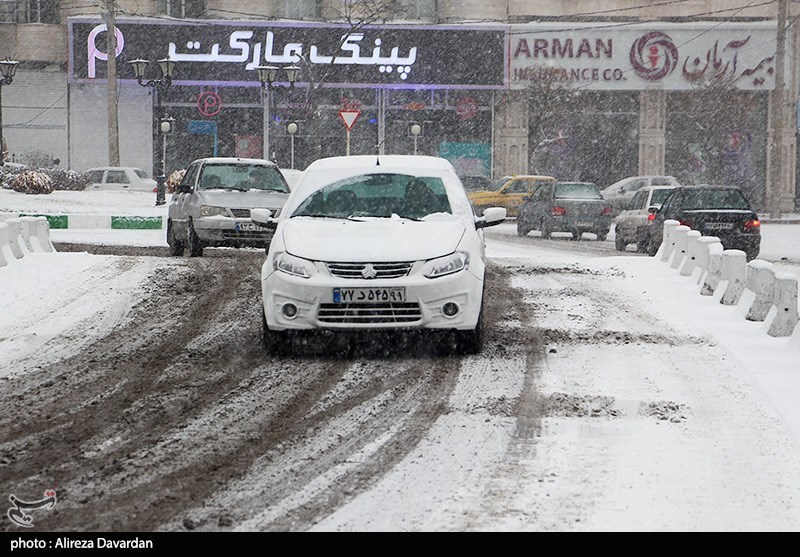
x=268, y=76
x=166, y=66
x=7, y=70
x=292, y=129
x=415, y=131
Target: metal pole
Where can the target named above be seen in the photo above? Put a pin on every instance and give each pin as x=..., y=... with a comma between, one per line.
x=113, y=99
x=265, y=116
x=347, y=152
x=2, y=142
x=292, y=135
x=161, y=181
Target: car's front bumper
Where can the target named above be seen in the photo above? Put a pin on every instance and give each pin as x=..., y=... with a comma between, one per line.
x=422, y=308
x=228, y=231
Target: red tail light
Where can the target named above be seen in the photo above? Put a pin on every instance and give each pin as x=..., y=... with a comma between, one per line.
x=558, y=211
x=606, y=211
x=651, y=217
x=686, y=223
x=752, y=225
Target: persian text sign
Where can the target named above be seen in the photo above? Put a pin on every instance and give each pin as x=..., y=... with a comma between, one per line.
x=229, y=51
x=643, y=56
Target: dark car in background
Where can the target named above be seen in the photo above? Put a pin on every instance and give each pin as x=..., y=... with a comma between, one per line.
x=721, y=211
x=575, y=207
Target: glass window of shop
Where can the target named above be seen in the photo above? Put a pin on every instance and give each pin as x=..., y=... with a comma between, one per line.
x=718, y=137
x=454, y=124
x=587, y=136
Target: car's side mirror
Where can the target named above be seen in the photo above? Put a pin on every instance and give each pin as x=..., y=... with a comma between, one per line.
x=491, y=216
x=653, y=208
x=263, y=217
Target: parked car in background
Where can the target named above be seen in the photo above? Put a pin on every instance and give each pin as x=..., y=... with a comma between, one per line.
x=620, y=193
x=575, y=207
x=368, y=243
x=121, y=178
x=509, y=192
x=721, y=211
x=632, y=226
x=211, y=206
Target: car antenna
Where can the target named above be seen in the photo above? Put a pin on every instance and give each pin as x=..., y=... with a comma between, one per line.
x=378, y=152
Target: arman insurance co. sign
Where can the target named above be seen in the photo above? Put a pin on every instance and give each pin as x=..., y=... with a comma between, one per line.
x=624, y=56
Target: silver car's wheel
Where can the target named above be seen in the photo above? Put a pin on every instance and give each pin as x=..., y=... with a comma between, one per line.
x=176, y=246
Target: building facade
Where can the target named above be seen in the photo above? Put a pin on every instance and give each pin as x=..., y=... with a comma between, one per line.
x=585, y=90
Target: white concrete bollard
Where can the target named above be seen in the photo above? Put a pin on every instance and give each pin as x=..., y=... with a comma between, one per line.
x=734, y=270
x=40, y=235
x=703, y=255
x=760, y=280
x=692, y=247
x=714, y=274
x=680, y=240
x=14, y=234
x=786, y=303
x=667, y=247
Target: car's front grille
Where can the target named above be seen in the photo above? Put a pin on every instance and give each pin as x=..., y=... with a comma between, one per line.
x=370, y=270
x=388, y=312
x=241, y=213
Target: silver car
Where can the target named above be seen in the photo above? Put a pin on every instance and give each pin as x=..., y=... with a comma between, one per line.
x=632, y=225
x=620, y=193
x=211, y=206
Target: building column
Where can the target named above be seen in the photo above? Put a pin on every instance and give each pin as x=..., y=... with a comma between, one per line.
x=510, y=149
x=652, y=132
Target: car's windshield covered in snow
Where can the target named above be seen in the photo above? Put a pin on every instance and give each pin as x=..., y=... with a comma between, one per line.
x=378, y=195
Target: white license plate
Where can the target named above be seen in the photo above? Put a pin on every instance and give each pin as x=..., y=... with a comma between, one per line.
x=719, y=225
x=584, y=225
x=365, y=295
x=247, y=227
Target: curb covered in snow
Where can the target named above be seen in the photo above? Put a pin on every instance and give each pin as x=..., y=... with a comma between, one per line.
x=114, y=222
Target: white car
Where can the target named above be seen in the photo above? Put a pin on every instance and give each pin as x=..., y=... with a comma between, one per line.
x=632, y=225
x=120, y=178
x=367, y=243
x=212, y=204
x=620, y=193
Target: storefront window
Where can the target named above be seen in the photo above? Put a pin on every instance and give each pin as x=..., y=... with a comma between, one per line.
x=718, y=137
x=30, y=11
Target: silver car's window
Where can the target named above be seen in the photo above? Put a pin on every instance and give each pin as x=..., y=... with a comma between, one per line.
x=577, y=190
x=242, y=177
x=378, y=195
x=95, y=176
x=659, y=196
x=140, y=173
x=638, y=200
x=117, y=177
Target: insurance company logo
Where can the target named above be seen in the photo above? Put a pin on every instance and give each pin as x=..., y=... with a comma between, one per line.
x=654, y=56
x=17, y=513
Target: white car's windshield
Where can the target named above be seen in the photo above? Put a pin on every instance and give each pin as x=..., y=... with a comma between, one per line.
x=242, y=177
x=377, y=195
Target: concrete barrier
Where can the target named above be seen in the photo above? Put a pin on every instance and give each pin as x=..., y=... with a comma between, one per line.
x=41, y=234
x=5, y=245
x=734, y=271
x=27, y=233
x=692, y=249
x=785, y=299
x=667, y=245
x=760, y=280
x=680, y=240
x=703, y=255
x=714, y=272
x=14, y=233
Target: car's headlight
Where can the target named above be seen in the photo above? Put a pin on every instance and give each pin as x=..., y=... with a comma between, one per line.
x=446, y=265
x=292, y=265
x=211, y=211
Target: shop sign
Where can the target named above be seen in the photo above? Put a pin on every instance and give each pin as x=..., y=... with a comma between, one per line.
x=228, y=52
x=209, y=103
x=667, y=56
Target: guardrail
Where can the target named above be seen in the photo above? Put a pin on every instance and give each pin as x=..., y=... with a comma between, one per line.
x=759, y=293
x=20, y=237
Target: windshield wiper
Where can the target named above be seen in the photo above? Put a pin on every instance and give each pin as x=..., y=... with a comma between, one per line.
x=321, y=216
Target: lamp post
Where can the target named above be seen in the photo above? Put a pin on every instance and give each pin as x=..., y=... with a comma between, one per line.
x=292, y=129
x=268, y=76
x=159, y=85
x=7, y=70
x=415, y=131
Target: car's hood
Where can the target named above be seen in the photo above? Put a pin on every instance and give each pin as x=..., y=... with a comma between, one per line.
x=375, y=240
x=244, y=199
